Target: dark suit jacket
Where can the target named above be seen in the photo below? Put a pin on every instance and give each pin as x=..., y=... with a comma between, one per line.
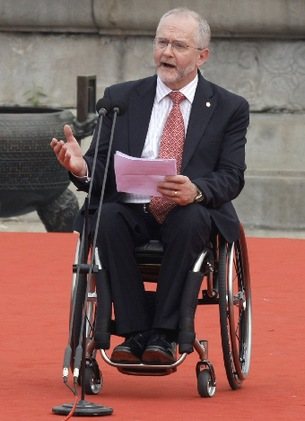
x=214, y=152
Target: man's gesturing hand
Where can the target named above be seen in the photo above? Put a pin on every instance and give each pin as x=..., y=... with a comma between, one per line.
x=69, y=153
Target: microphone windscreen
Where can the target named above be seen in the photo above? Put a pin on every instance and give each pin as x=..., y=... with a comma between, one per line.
x=103, y=103
x=120, y=107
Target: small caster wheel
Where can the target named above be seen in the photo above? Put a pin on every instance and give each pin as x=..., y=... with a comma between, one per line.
x=205, y=385
x=93, y=381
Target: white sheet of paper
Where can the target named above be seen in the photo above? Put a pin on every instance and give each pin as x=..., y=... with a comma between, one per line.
x=140, y=175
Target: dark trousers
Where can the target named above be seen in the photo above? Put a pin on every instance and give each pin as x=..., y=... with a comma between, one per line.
x=184, y=234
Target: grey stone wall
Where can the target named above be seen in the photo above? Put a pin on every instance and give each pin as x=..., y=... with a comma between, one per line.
x=258, y=51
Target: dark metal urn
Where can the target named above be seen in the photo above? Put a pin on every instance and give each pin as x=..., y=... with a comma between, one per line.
x=30, y=176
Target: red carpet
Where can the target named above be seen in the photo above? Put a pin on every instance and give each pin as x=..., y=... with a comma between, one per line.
x=35, y=296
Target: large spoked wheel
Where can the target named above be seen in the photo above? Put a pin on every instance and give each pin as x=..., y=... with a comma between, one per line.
x=235, y=309
x=82, y=318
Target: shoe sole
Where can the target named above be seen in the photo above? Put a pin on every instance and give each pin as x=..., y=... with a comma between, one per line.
x=157, y=356
x=124, y=357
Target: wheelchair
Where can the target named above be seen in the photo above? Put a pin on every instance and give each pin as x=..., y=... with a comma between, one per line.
x=220, y=276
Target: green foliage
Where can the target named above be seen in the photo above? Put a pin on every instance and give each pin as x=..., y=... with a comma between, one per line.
x=35, y=96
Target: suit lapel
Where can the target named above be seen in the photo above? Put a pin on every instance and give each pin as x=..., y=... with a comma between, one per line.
x=202, y=109
x=140, y=107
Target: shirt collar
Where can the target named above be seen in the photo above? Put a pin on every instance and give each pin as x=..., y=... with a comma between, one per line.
x=188, y=91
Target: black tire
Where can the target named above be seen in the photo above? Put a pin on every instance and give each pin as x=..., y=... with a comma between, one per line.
x=235, y=309
x=205, y=385
x=93, y=381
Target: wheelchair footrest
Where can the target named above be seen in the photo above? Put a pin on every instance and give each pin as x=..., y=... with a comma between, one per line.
x=143, y=371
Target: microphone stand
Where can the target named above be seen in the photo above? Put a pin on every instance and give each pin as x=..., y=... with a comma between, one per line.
x=83, y=407
x=116, y=111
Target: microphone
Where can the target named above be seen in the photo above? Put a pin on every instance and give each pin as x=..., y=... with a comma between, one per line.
x=103, y=106
x=120, y=107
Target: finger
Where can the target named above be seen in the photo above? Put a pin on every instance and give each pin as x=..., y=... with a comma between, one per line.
x=68, y=133
x=54, y=142
x=171, y=178
x=178, y=179
x=66, y=158
x=176, y=194
x=170, y=193
x=62, y=153
x=56, y=145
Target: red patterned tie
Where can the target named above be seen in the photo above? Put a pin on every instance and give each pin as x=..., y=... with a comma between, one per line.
x=171, y=146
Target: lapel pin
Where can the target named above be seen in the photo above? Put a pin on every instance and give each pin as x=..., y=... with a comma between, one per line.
x=208, y=104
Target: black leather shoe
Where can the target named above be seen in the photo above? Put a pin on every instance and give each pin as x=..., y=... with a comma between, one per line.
x=131, y=350
x=159, y=350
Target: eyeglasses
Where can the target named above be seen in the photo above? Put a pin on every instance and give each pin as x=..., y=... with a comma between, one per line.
x=176, y=46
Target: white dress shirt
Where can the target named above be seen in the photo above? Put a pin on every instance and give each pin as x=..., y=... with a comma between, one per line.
x=160, y=111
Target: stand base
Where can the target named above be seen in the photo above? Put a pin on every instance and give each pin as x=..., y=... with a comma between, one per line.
x=83, y=409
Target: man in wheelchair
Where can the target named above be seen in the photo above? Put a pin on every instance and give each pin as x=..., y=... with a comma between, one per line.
x=178, y=114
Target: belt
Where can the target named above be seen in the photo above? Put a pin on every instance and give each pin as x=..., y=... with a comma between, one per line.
x=139, y=206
